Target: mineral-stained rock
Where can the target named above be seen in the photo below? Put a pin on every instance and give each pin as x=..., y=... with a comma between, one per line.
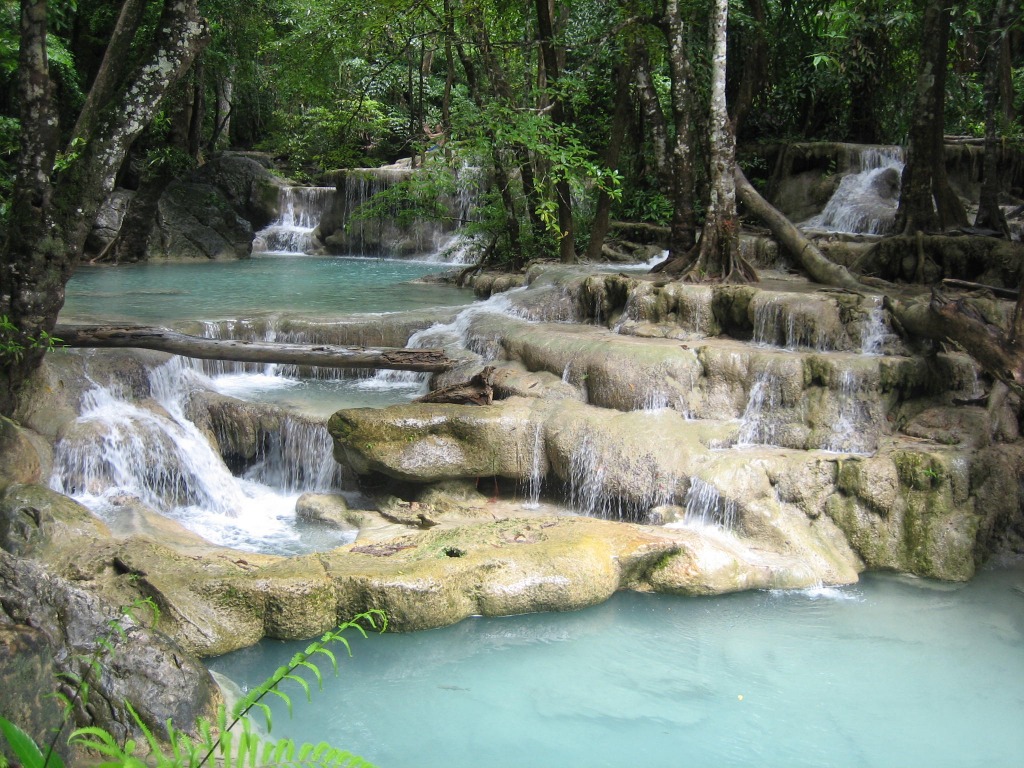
x=24, y=456
x=327, y=509
x=34, y=520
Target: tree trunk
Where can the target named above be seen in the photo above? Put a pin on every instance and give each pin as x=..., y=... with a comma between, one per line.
x=655, y=119
x=927, y=203
x=599, y=229
x=755, y=65
x=999, y=351
x=990, y=215
x=719, y=256
x=320, y=355
x=814, y=262
x=684, y=222
x=55, y=206
x=563, y=194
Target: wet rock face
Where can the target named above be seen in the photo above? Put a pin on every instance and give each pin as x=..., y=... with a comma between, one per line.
x=655, y=418
x=144, y=668
x=196, y=221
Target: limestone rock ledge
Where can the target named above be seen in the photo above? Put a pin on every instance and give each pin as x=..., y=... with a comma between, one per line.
x=478, y=557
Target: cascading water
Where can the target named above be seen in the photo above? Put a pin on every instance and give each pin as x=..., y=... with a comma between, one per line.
x=849, y=433
x=866, y=200
x=757, y=425
x=301, y=211
x=151, y=451
x=364, y=223
x=781, y=323
x=535, y=482
x=591, y=492
x=454, y=335
x=705, y=506
x=874, y=333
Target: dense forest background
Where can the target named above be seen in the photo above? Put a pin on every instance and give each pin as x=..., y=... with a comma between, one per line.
x=562, y=115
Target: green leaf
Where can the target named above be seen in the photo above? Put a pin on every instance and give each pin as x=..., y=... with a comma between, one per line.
x=22, y=745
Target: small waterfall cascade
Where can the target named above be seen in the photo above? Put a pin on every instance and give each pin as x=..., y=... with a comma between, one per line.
x=123, y=448
x=874, y=333
x=455, y=335
x=535, y=482
x=705, y=506
x=792, y=326
x=364, y=221
x=301, y=210
x=591, y=492
x=298, y=459
x=760, y=424
x=849, y=434
x=268, y=330
x=152, y=451
x=866, y=199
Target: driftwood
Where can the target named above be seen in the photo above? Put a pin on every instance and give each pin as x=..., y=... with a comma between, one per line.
x=479, y=390
x=319, y=355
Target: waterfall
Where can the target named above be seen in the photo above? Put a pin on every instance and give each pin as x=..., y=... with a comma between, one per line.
x=866, y=200
x=454, y=335
x=851, y=432
x=297, y=459
x=792, y=326
x=757, y=425
x=535, y=482
x=365, y=221
x=292, y=231
x=119, y=446
x=593, y=493
x=874, y=333
x=705, y=506
x=151, y=451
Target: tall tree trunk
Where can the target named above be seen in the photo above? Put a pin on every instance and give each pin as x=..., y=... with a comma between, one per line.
x=655, y=119
x=563, y=194
x=719, y=255
x=599, y=229
x=755, y=66
x=927, y=203
x=55, y=207
x=684, y=222
x=990, y=215
x=225, y=91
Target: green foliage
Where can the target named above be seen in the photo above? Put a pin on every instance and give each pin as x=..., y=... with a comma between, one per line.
x=14, y=342
x=647, y=205
x=229, y=740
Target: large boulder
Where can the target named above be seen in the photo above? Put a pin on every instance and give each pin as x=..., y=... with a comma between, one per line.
x=251, y=189
x=196, y=220
x=136, y=665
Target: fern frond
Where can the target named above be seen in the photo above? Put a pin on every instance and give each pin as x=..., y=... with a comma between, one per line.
x=329, y=654
x=314, y=669
x=301, y=683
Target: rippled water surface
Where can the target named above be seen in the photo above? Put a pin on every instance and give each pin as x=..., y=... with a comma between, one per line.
x=891, y=672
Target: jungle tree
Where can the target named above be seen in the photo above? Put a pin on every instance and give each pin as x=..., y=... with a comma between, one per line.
x=65, y=172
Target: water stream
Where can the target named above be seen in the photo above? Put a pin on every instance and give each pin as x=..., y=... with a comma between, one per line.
x=891, y=672
x=866, y=199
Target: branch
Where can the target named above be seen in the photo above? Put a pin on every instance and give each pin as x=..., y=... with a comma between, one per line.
x=320, y=355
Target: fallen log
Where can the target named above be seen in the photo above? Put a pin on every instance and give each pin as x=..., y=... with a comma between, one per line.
x=814, y=262
x=479, y=390
x=319, y=355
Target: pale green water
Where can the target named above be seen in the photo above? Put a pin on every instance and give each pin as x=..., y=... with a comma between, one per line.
x=891, y=672
x=311, y=286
